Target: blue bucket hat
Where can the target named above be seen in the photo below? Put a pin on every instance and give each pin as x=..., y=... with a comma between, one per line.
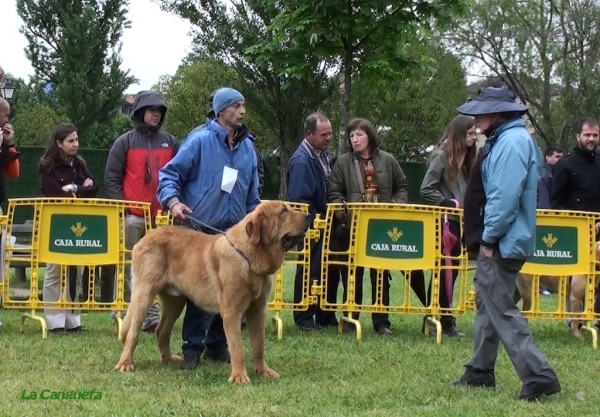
x=494, y=99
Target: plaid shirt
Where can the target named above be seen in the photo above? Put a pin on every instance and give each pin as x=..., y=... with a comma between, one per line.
x=322, y=157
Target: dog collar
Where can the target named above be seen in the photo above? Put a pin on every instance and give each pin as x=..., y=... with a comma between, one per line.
x=242, y=254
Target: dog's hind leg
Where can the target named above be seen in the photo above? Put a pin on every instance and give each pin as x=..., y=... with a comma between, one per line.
x=171, y=308
x=256, y=317
x=141, y=300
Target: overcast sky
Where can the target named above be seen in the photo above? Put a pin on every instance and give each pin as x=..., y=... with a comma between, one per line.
x=154, y=45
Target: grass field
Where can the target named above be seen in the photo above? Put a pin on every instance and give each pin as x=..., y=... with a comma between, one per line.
x=322, y=374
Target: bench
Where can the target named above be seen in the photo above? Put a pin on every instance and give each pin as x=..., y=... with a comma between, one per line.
x=21, y=250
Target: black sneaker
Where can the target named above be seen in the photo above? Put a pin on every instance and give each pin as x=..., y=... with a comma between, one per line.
x=534, y=390
x=310, y=326
x=476, y=378
x=221, y=355
x=190, y=361
x=449, y=328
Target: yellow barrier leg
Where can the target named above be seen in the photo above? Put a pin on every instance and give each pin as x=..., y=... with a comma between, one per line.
x=279, y=325
x=438, y=328
x=34, y=316
x=356, y=324
x=589, y=326
x=119, y=321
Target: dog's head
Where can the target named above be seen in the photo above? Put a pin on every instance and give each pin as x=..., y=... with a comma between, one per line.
x=275, y=225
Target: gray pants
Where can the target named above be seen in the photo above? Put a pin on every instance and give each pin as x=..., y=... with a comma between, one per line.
x=56, y=319
x=135, y=228
x=498, y=319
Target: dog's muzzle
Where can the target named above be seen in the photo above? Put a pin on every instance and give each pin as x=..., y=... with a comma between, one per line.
x=289, y=241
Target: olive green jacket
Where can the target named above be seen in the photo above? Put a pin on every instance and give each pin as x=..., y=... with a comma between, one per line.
x=436, y=188
x=343, y=184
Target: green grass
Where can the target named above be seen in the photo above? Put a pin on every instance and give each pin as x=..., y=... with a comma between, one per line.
x=322, y=374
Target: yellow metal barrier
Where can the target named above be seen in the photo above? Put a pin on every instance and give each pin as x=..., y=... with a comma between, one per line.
x=564, y=247
x=283, y=301
x=394, y=237
x=70, y=232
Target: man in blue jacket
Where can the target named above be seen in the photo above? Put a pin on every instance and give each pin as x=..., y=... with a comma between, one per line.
x=500, y=224
x=308, y=174
x=213, y=178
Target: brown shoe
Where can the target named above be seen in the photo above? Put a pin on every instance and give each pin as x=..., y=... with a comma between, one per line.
x=384, y=331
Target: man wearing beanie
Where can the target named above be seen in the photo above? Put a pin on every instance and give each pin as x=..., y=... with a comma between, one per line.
x=214, y=179
x=210, y=116
x=499, y=225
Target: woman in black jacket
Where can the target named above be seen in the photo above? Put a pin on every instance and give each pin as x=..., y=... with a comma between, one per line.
x=63, y=173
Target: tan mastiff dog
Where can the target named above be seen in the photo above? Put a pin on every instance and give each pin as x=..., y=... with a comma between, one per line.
x=230, y=274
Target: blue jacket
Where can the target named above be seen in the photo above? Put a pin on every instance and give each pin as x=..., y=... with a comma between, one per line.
x=195, y=174
x=510, y=176
x=543, y=193
x=306, y=181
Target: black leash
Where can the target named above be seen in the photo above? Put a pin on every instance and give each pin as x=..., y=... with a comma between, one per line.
x=199, y=226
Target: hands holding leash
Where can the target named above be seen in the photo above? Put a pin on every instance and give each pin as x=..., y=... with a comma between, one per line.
x=179, y=210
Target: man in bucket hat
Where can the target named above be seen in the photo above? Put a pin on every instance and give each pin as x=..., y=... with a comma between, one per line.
x=500, y=221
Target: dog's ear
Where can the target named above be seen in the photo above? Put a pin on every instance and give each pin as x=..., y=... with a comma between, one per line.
x=253, y=227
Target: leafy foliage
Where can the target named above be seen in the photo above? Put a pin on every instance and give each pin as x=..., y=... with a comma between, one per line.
x=74, y=46
x=363, y=37
x=414, y=114
x=548, y=50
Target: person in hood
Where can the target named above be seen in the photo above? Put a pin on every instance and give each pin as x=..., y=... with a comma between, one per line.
x=214, y=180
x=131, y=173
x=500, y=225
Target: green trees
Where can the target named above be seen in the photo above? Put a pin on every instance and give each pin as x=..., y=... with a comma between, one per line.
x=74, y=47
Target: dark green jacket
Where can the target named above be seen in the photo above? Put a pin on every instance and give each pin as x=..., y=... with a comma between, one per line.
x=343, y=184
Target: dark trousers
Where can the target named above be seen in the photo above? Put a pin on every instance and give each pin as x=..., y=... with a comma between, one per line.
x=444, y=299
x=315, y=314
x=202, y=329
x=379, y=319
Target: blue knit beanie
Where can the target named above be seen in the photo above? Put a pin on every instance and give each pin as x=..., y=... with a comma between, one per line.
x=224, y=98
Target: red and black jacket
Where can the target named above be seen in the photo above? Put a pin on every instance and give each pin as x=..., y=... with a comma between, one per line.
x=136, y=157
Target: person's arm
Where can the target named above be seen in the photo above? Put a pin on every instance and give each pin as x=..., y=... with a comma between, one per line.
x=50, y=184
x=543, y=193
x=175, y=173
x=399, y=184
x=253, y=198
x=560, y=186
x=115, y=169
x=87, y=191
x=430, y=186
x=336, y=190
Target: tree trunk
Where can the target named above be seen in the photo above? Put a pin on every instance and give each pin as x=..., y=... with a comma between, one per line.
x=347, y=100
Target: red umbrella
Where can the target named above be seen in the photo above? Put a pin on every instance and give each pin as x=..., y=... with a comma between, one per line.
x=448, y=242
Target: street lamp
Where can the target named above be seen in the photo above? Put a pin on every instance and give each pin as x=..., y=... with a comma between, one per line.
x=7, y=90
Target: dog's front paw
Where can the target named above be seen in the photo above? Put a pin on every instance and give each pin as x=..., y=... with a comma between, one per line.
x=268, y=373
x=124, y=366
x=173, y=359
x=239, y=378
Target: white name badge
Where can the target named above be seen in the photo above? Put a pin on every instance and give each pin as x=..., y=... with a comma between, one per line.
x=229, y=179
